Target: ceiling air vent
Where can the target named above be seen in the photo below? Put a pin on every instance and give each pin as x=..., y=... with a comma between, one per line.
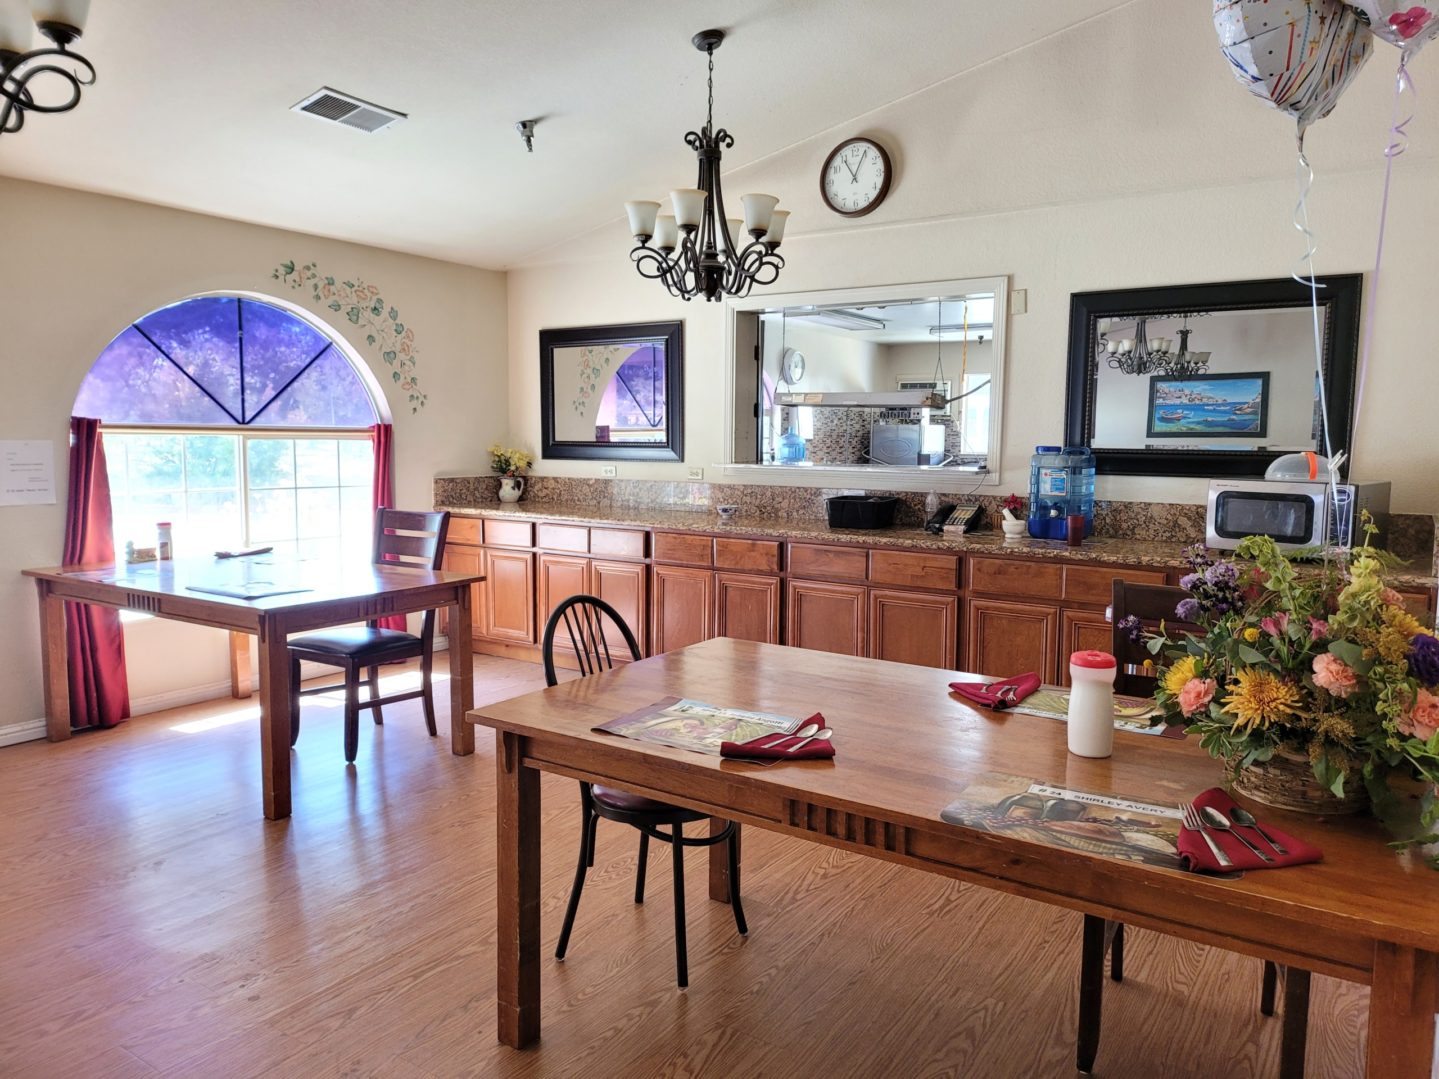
x=331, y=105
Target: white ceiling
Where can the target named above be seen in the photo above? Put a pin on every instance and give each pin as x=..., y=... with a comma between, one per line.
x=192, y=104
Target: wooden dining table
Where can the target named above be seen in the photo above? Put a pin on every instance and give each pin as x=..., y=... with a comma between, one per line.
x=269, y=598
x=906, y=747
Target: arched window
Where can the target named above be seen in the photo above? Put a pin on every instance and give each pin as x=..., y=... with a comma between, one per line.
x=237, y=421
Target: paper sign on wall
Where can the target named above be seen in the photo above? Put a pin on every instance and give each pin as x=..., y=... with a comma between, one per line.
x=27, y=473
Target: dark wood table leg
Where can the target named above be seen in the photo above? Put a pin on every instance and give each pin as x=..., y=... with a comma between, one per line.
x=275, y=720
x=719, y=864
x=1402, y=1002
x=54, y=663
x=462, y=675
x=517, y=886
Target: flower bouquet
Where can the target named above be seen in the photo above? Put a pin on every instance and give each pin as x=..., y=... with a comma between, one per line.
x=1325, y=668
x=509, y=462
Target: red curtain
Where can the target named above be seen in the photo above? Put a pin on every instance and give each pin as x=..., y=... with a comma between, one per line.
x=382, y=437
x=99, y=689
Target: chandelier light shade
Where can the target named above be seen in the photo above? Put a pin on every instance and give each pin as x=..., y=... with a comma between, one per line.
x=44, y=80
x=697, y=250
x=1145, y=355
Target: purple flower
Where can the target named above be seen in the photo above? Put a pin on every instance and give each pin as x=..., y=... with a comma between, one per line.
x=1131, y=627
x=1189, y=580
x=1424, y=658
x=1222, y=574
x=1187, y=610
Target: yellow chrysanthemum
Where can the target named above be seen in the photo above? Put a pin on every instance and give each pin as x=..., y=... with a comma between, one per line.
x=1251, y=634
x=1258, y=698
x=1183, y=670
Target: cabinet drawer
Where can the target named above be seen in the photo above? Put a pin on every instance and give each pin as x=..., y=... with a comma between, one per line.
x=754, y=555
x=564, y=538
x=806, y=560
x=1095, y=584
x=509, y=534
x=617, y=543
x=920, y=569
x=683, y=548
x=1008, y=578
x=464, y=530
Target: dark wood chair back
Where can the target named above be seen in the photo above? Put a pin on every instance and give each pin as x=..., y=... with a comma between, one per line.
x=581, y=621
x=1151, y=604
x=414, y=539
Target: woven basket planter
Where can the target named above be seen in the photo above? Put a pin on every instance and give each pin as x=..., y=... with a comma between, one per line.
x=1287, y=781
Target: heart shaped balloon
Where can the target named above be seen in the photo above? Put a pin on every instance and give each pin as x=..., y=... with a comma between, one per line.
x=1299, y=56
x=1405, y=24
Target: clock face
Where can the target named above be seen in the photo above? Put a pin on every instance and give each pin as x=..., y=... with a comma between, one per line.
x=856, y=177
x=793, y=366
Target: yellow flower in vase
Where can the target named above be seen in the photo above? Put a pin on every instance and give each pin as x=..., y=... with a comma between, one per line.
x=1183, y=670
x=1259, y=698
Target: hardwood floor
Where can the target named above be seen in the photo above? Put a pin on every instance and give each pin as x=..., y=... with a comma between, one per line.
x=152, y=922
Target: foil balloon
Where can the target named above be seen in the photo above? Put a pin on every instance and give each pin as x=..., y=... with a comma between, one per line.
x=1299, y=56
x=1408, y=25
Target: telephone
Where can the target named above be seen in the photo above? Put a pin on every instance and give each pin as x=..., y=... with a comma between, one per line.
x=969, y=517
x=939, y=518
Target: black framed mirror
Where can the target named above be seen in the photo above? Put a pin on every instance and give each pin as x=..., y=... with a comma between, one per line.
x=613, y=393
x=1210, y=380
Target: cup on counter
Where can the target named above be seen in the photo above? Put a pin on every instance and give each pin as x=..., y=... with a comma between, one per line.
x=727, y=512
x=1074, y=530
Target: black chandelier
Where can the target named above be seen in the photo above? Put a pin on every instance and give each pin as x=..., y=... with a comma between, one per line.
x=695, y=251
x=1143, y=355
x=20, y=66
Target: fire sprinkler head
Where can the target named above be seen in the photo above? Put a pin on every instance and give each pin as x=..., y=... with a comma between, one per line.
x=526, y=128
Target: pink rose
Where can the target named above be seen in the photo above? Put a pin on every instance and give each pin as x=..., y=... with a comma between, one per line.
x=1423, y=718
x=1275, y=624
x=1334, y=675
x=1318, y=628
x=1196, y=695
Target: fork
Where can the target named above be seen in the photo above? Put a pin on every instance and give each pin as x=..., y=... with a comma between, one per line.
x=1194, y=824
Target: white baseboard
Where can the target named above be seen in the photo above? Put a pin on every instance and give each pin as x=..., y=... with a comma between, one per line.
x=25, y=731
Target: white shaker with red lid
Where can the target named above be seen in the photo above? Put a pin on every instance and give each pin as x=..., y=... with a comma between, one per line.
x=1091, y=703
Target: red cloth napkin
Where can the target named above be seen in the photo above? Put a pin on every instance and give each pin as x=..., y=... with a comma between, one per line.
x=1198, y=858
x=988, y=693
x=758, y=749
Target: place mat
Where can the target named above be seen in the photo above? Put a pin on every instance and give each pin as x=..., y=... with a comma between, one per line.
x=1133, y=714
x=250, y=590
x=697, y=726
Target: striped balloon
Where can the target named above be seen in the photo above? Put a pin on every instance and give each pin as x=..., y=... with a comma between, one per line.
x=1298, y=55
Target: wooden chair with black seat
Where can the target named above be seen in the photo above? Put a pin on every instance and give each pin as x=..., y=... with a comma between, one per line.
x=1136, y=676
x=580, y=621
x=402, y=538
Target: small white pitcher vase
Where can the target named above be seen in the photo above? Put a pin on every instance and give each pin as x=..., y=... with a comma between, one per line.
x=511, y=487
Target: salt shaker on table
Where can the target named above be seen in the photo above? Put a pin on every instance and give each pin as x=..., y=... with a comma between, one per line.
x=1091, y=703
x=164, y=542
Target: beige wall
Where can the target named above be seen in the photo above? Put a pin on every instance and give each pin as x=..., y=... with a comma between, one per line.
x=1069, y=168
x=77, y=268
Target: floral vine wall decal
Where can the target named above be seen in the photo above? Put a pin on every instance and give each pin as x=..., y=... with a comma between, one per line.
x=362, y=304
x=593, y=362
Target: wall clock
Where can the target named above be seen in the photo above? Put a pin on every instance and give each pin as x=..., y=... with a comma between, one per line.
x=855, y=178
x=791, y=366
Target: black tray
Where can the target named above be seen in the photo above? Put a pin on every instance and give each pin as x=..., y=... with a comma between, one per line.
x=861, y=511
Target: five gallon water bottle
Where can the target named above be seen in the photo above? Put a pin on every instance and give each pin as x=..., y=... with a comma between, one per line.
x=1061, y=482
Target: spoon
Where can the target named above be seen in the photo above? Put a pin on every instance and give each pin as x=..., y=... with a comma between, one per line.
x=1245, y=819
x=1219, y=821
x=804, y=732
x=825, y=735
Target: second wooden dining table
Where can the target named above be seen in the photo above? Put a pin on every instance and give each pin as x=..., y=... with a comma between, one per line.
x=906, y=748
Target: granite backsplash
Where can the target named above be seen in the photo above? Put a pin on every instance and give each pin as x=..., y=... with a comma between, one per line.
x=1411, y=535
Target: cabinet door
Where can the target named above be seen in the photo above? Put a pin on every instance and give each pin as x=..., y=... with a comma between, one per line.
x=465, y=560
x=914, y=627
x=682, y=607
x=827, y=617
x=747, y=607
x=1078, y=631
x=508, y=610
x=560, y=577
x=624, y=586
x=1007, y=638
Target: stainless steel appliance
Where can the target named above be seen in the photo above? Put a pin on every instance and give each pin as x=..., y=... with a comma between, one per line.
x=1295, y=514
x=906, y=443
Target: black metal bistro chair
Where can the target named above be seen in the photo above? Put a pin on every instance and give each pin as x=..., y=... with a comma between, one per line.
x=1152, y=604
x=402, y=538
x=580, y=620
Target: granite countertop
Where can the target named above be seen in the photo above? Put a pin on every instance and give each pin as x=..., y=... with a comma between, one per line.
x=1099, y=549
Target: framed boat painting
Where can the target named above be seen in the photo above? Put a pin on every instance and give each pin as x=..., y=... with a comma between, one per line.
x=1212, y=406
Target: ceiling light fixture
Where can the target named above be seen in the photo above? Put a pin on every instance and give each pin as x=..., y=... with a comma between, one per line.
x=62, y=22
x=699, y=250
x=1145, y=355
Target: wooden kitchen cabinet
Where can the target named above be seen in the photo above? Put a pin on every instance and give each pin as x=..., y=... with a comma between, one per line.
x=1006, y=638
x=625, y=587
x=1078, y=632
x=682, y=607
x=914, y=627
x=747, y=607
x=827, y=617
x=507, y=608
x=464, y=560
x=559, y=577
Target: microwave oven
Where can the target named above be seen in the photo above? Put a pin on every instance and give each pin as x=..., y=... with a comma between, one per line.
x=1295, y=514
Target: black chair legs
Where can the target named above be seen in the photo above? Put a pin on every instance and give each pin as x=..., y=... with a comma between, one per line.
x=1091, y=992
x=294, y=701
x=352, y=715
x=1268, y=988
x=682, y=967
x=587, y=827
x=372, y=674
x=732, y=847
x=1116, y=954
x=640, y=868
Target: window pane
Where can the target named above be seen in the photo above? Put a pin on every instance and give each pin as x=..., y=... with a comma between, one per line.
x=316, y=462
x=357, y=518
x=213, y=522
x=202, y=336
x=272, y=516
x=132, y=383
x=319, y=512
x=328, y=394
x=277, y=346
x=357, y=462
x=157, y=463
x=271, y=462
x=212, y=462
